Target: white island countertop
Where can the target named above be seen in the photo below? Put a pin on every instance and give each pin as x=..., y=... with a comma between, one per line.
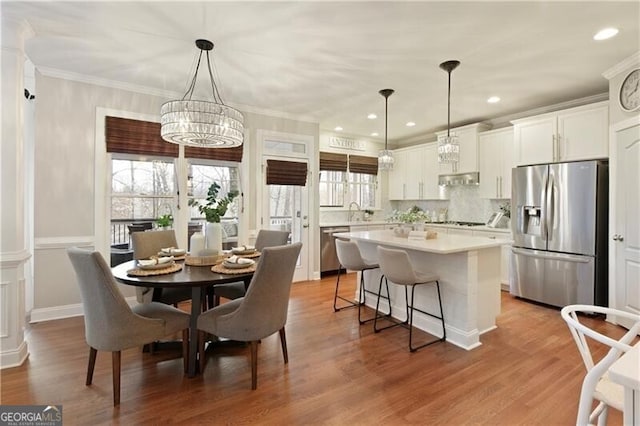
x=443, y=244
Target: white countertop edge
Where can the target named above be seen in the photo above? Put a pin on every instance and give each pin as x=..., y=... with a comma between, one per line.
x=444, y=244
x=426, y=225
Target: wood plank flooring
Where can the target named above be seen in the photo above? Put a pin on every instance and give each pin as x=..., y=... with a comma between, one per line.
x=528, y=371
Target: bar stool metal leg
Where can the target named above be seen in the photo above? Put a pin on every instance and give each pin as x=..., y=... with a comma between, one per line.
x=362, y=300
x=441, y=318
x=351, y=303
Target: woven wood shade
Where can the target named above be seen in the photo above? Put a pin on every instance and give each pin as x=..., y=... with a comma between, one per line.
x=286, y=173
x=222, y=154
x=333, y=162
x=127, y=136
x=362, y=164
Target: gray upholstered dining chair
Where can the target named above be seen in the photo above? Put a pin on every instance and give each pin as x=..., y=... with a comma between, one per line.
x=110, y=324
x=265, y=238
x=149, y=243
x=261, y=312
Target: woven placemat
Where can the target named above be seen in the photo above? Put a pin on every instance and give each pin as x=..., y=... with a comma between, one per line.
x=182, y=257
x=248, y=255
x=221, y=269
x=147, y=273
x=203, y=260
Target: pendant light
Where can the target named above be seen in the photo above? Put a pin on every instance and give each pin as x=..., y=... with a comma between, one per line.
x=448, y=146
x=385, y=157
x=204, y=124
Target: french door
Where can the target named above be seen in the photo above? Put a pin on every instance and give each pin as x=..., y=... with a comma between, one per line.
x=286, y=208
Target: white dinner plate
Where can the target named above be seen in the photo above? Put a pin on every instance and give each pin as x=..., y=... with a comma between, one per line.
x=237, y=265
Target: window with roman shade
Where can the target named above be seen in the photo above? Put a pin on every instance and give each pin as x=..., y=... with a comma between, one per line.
x=127, y=136
x=286, y=173
x=333, y=175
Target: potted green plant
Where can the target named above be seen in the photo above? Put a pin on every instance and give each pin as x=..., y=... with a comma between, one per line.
x=164, y=221
x=214, y=209
x=368, y=213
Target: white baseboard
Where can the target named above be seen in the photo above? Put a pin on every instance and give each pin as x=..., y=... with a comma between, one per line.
x=14, y=358
x=65, y=311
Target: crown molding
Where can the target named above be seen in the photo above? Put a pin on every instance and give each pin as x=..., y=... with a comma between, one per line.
x=622, y=66
x=167, y=94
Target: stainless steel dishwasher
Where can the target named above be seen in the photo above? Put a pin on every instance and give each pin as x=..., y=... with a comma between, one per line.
x=328, y=257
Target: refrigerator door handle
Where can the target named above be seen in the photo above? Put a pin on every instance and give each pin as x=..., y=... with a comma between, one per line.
x=543, y=207
x=549, y=208
x=548, y=256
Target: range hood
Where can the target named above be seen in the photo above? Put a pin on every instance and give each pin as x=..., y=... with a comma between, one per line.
x=472, y=178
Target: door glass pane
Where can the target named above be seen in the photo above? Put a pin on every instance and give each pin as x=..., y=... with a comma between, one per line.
x=284, y=209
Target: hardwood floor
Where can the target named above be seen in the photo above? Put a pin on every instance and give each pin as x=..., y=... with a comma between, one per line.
x=528, y=371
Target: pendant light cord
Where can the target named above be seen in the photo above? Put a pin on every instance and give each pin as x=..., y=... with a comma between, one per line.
x=386, y=108
x=449, y=105
x=214, y=88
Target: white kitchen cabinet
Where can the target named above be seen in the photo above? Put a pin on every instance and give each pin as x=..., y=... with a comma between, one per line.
x=505, y=259
x=578, y=133
x=496, y=159
x=396, y=176
x=468, y=140
x=415, y=174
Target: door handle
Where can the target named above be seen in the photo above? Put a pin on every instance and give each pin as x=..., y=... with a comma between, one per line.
x=305, y=226
x=617, y=237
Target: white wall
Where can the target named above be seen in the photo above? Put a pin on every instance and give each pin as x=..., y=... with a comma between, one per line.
x=64, y=178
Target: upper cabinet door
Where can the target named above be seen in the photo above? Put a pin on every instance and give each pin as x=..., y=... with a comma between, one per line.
x=584, y=133
x=396, y=176
x=495, y=157
x=430, y=171
x=535, y=140
x=412, y=173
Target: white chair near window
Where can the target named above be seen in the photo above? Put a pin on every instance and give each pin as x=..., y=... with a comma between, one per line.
x=596, y=384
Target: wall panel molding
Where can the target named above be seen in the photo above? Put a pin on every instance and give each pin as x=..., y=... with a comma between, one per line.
x=64, y=242
x=13, y=259
x=65, y=311
x=4, y=312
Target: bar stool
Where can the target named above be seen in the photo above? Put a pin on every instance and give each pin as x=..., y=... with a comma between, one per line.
x=350, y=258
x=396, y=266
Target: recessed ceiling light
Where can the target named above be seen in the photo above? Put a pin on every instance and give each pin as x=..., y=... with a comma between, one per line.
x=338, y=129
x=410, y=124
x=493, y=100
x=372, y=116
x=374, y=134
x=605, y=34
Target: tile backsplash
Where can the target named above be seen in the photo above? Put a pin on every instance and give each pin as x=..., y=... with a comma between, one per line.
x=464, y=204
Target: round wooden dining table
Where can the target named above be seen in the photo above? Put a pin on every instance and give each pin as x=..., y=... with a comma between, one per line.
x=198, y=278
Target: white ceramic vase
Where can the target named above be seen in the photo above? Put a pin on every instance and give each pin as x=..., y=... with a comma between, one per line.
x=213, y=236
x=197, y=244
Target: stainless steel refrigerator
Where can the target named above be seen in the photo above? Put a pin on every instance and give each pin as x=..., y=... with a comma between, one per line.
x=559, y=223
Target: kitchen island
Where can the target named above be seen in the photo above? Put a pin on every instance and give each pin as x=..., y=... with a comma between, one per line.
x=469, y=271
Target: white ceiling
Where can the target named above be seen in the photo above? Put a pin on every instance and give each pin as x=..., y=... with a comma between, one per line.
x=325, y=61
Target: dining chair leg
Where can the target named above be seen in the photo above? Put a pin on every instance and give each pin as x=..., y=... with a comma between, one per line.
x=254, y=365
x=115, y=361
x=283, y=342
x=92, y=363
x=201, y=337
x=185, y=350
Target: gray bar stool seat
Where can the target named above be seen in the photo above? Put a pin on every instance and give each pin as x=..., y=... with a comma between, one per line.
x=350, y=258
x=397, y=267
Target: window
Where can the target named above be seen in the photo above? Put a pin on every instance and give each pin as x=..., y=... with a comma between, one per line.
x=331, y=187
x=201, y=176
x=362, y=190
x=141, y=190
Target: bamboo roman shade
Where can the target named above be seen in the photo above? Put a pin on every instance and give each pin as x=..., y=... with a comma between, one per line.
x=222, y=154
x=286, y=173
x=362, y=164
x=333, y=162
x=129, y=136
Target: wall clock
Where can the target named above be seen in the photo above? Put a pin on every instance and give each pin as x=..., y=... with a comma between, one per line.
x=629, y=96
